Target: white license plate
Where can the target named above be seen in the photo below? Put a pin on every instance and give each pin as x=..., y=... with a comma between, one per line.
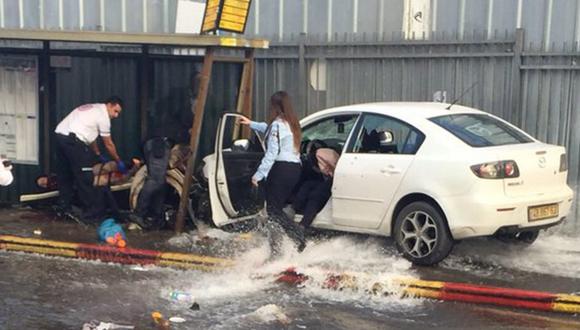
x=541, y=212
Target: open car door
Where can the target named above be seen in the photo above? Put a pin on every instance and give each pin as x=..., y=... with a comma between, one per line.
x=238, y=152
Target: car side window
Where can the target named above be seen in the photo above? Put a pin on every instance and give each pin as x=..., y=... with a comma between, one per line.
x=332, y=131
x=385, y=135
x=237, y=138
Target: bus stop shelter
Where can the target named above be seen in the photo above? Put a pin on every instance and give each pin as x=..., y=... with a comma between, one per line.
x=73, y=65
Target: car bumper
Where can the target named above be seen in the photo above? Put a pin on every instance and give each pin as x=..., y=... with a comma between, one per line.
x=471, y=216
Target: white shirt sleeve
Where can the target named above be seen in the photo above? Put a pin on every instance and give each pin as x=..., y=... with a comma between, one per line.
x=104, y=125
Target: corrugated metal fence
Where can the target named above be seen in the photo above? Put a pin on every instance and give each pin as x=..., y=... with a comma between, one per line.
x=536, y=90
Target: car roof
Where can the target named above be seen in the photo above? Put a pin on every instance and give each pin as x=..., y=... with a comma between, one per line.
x=405, y=110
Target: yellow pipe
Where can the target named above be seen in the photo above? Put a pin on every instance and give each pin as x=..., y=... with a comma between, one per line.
x=36, y=241
x=39, y=249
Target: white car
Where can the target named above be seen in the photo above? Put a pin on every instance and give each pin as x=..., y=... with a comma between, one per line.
x=427, y=174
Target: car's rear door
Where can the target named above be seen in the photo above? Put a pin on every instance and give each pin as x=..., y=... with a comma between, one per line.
x=238, y=152
x=370, y=171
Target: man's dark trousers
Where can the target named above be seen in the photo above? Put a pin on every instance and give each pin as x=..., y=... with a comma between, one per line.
x=311, y=198
x=151, y=197
x=75, y=168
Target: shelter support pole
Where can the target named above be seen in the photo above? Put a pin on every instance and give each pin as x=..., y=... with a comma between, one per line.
x=144, y=77
x=244, y=105
x=195, y=133
x=515, y=113
x=302, y=76
x=45, y=104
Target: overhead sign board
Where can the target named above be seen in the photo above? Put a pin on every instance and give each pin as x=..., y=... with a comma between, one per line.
x=226, y=15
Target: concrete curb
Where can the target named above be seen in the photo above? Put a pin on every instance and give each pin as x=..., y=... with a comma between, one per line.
x=127, y=256
x=408, y=287
x=449, y=291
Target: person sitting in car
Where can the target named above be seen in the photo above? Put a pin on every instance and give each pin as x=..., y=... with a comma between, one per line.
x=315, y=192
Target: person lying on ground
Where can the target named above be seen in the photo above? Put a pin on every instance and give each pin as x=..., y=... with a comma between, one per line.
x=105, y=174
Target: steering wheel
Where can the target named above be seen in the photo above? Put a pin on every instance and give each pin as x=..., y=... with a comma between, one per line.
x=314, y=145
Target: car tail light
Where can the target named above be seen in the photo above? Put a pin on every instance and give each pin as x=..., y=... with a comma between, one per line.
x=504, y=169
x=563, y=163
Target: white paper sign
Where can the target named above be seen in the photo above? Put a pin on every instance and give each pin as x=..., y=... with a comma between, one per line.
x=19, y=109
x=189, y=17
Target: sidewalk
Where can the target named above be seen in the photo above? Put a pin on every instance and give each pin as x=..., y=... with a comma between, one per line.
x=27, y=222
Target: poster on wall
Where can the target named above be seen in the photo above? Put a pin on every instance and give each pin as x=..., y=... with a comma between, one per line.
x=19, y=109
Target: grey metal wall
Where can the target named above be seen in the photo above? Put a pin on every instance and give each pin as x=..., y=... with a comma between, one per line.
x=92, y=80
x=153, y=16
x=171, y=81
x=536, y=90
x=546, y=21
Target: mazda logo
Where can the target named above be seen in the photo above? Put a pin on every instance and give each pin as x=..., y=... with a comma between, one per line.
x=542, y=162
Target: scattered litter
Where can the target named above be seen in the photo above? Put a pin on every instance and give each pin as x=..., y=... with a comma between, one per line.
x=245, y=236
x=139, y=268
x=133, y=226
x=112, y=233
x=176, y=319
x=194, y=307
x=37, y=232
x=96, y=325
x=271, y=313
x=206, y=240
x=160, y=321
x=181, y=240
x=182, y=297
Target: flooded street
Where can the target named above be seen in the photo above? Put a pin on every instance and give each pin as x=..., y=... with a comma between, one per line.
x=41, y=292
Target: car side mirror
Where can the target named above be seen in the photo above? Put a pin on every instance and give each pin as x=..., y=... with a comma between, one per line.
x=386, y=137
x=241, y=145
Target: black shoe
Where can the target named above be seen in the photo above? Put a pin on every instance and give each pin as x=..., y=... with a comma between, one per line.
x=60, y=210
x=301, y=247
x=72, y=216
x=144, y=224
x=156, y=224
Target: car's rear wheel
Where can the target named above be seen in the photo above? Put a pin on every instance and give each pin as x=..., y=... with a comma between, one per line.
x=421, y=234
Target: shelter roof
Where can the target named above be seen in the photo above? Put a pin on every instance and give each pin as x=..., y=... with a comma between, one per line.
x=187, y=40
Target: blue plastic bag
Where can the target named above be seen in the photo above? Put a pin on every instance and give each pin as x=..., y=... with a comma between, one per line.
x=112, y=233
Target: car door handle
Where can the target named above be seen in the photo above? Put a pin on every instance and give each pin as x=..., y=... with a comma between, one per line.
x=390, y=170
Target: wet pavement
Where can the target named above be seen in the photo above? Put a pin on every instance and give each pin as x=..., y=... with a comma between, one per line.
x=39, y=292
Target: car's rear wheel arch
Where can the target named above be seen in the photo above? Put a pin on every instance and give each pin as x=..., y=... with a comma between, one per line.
x=416, y=197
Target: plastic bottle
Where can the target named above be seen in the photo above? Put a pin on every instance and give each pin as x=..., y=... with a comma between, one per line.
x=180, y=296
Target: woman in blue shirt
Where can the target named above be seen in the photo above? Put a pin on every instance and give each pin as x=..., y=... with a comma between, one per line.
x=280, y=167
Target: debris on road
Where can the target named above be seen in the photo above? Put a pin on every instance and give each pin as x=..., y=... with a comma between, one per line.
x=176, y=319
x=181, y=297
x=160, y=322
x=96, y=325
x=112, y=233
x=194, y=306
x=271, y=313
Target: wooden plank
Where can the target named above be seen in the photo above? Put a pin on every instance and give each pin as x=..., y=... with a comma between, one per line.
x=195, y=133
x=243, y=104
x=193, y=40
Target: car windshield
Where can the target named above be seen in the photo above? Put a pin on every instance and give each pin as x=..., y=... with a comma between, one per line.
x=480, y=130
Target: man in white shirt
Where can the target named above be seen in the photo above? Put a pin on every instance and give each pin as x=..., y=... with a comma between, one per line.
x=78, y=150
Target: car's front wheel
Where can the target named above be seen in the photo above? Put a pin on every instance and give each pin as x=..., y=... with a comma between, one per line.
x=421, y=234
